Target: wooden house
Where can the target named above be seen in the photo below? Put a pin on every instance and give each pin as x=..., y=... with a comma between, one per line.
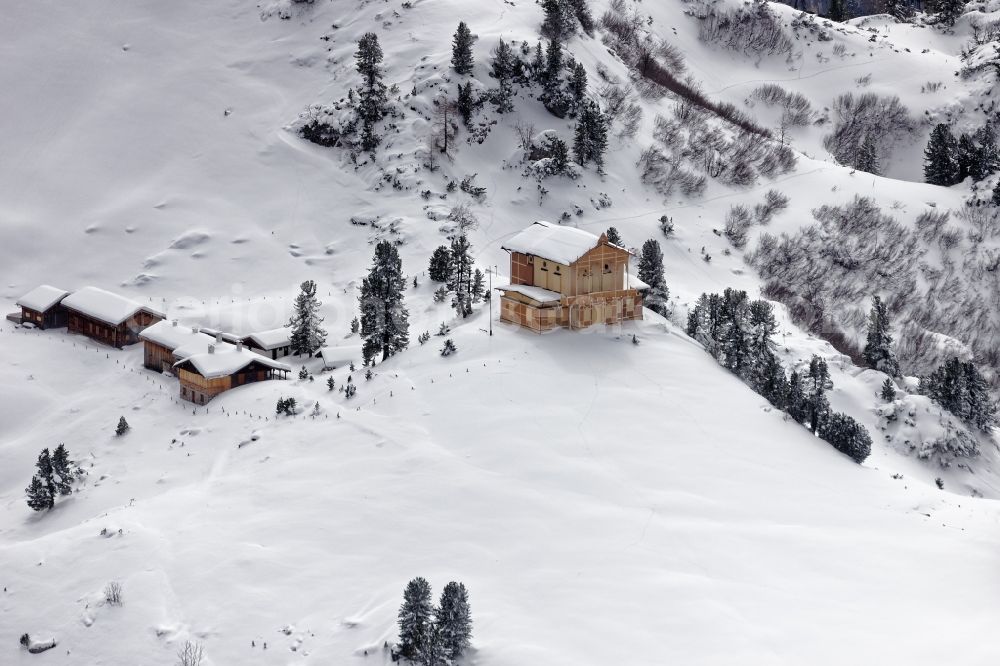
x=566, y=277
x=164, y=344
x=219, y=368
x=107, y=317
x=42, y=307
x=274, y=343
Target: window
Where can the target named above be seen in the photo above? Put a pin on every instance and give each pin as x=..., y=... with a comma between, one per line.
x=607, y=268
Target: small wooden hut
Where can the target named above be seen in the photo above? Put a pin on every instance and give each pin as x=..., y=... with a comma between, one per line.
x=42, y=307
x=108, y=318
x=165, y=341
x=274, y=343
x=220, y=368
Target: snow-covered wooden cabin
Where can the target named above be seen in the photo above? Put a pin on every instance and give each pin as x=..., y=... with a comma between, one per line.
x=42, y=307
x=107, y=317
x=564, y=276
x=163, y=340
x=217, y=368
x=274, y=343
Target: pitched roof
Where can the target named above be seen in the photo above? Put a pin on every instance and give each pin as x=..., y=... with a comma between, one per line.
x=339, y=355
x=276, y=337
x=226, y=337
x=226, y=360
x=42, y=298
x=534, y=293
x=171, y=335
x=105, y=306
x=555, y=242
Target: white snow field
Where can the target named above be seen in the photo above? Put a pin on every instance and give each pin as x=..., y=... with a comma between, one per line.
x=604, y=502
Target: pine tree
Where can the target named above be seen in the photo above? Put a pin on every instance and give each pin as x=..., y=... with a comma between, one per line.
x=761, y=373
x=878, y=352
x=959, y=387
x=797, y=406
x=558, y=153
x=466, y=103
x=372, y=97
x=61, y=468
x=503, y=72
x=416, y=616
x=774, y=385
x=966, y=157
x=439, y=266
x=946, y=12
x=123, y=427
x=445, y=127
x=460, y=274
x=590, y=139
x=847, y=436
x=867, y=160
x=995, y=199
x=537, y=66
x=988, y=155
x=330, y=384
x=819, y=406
x=578, y=86
x=614, y=237
x=39, y=496
x=461, y=49
x=46, y=474
x=941, y=157
x=651, y=272
x=554, y=19
x=307, y=337
x=888, y=390
x=478, y=285
x=582, y=12
x=899, y=9
x=454, y=620
x=553, y=63
x=384, y=318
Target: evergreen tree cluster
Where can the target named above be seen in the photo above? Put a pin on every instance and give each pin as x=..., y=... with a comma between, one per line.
x=959, y=387
x=878, y=352
x=307, y=337
x=434, y=635
x=455, y=267
x=650, y=271
x=561, y=17
x=384, y=317
x=590, y=140
x=948, y=160
x=737, y=332
x=945, y=12
x=54, y=476
x=286, y=406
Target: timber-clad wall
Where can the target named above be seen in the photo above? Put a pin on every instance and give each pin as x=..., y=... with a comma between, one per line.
x=591, y=288
x=197, y=389
x=157, y=357
x=126, y=333
x=55, y=317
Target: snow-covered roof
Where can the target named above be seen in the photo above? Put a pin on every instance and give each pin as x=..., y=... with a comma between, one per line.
x=339, y=355
x=42, y=298
x=534, y=293
x=101, y=304
x=632, y=282
x=226, y=337
x=173, y=336
x=276, y=337
x=226, y=360
x=555, y=242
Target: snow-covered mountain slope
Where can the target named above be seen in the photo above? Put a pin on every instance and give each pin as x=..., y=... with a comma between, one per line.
x=604, y=502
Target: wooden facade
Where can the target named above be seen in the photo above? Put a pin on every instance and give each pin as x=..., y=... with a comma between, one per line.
x=157, y=357
x=199, y=389
x=54, y=317
x=120, y=335
x=592, y=289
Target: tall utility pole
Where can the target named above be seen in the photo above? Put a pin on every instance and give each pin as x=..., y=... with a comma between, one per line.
x=491, y=301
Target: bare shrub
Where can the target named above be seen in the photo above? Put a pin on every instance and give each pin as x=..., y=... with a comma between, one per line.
x=883, y=119
x=525, y=134
x=774, y=202
x=463, y=217
x=113, y=593
x=621, y=109
x=753, y=30
x=190, y=654
x=666, y=175
x=738, y=223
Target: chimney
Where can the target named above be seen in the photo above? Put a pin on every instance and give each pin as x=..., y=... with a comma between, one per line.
x=218, y=338
x=211, y=349
x=194, y=329
x=239, y=345
x=174, y=323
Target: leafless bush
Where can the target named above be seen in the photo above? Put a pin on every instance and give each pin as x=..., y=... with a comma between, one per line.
x=883, y=119
x=113, y=593
x=738, y=223
x=525, y=134
x=666, y=175
x=840, y=49
x=191, y=654
x=621, y=109
x=930, y=223
x=753, y=30
x=930, y=87
x=984, y=31
x=463, y=217
x=774, y=202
